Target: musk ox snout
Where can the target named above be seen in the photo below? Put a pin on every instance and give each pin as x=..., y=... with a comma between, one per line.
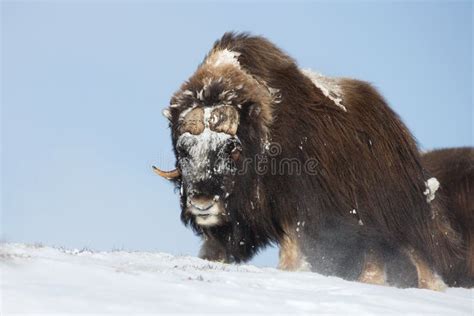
x=207, y=210
x=201, y=203
x=208, y=167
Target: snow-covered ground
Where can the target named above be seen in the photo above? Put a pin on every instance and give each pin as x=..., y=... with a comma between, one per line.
x=37, y=279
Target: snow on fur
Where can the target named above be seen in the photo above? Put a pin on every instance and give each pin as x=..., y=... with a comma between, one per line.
x=328, y=86
x=38, y=279
x=432, y=185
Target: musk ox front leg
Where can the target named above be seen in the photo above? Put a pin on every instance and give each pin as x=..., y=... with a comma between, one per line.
x=291, y=255
x=373, y=271
x=213, y=250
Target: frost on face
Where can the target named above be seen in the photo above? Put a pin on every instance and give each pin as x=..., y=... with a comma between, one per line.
x=432, y=185
x=197, y=165
x=328, y=86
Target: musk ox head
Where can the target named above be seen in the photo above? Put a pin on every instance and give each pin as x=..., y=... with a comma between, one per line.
x=219, y=121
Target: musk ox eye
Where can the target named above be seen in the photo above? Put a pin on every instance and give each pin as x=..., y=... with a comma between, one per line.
x=235, y=154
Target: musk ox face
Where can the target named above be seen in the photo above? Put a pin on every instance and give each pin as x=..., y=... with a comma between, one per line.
x=207, y=151
x=215, y=129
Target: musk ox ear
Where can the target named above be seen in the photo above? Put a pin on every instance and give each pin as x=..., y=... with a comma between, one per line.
x=166, y=113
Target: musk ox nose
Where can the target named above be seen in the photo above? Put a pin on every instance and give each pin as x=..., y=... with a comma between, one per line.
x=202, y=202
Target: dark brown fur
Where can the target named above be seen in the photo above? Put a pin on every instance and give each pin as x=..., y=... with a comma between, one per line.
x=454, y=168
x=368, y=161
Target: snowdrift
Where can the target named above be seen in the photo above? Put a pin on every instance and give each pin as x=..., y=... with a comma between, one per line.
x=36, y=279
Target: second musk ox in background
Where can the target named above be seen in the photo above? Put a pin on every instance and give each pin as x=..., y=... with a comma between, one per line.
x=454, y=168
x=269, y=153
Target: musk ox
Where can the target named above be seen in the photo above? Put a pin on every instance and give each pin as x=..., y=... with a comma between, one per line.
x=269, y=153
x=454, y=169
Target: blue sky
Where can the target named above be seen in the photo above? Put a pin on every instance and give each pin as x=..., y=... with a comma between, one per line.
x=84, y=83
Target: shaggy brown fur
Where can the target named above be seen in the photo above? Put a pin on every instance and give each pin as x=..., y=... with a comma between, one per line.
x=454, y=168
x=369, y=183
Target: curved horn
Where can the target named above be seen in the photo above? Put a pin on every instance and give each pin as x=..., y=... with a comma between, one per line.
x=170, y=175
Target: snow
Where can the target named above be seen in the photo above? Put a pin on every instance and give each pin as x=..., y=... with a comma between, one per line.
x=432, y=185
x=36, y=279
x=199, y=147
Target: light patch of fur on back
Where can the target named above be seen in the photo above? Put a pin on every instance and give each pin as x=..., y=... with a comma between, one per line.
x=328, y=86
x=223, y=57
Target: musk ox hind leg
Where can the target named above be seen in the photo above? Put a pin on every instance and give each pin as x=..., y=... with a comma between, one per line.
x=388, y=265
x=427, y=278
